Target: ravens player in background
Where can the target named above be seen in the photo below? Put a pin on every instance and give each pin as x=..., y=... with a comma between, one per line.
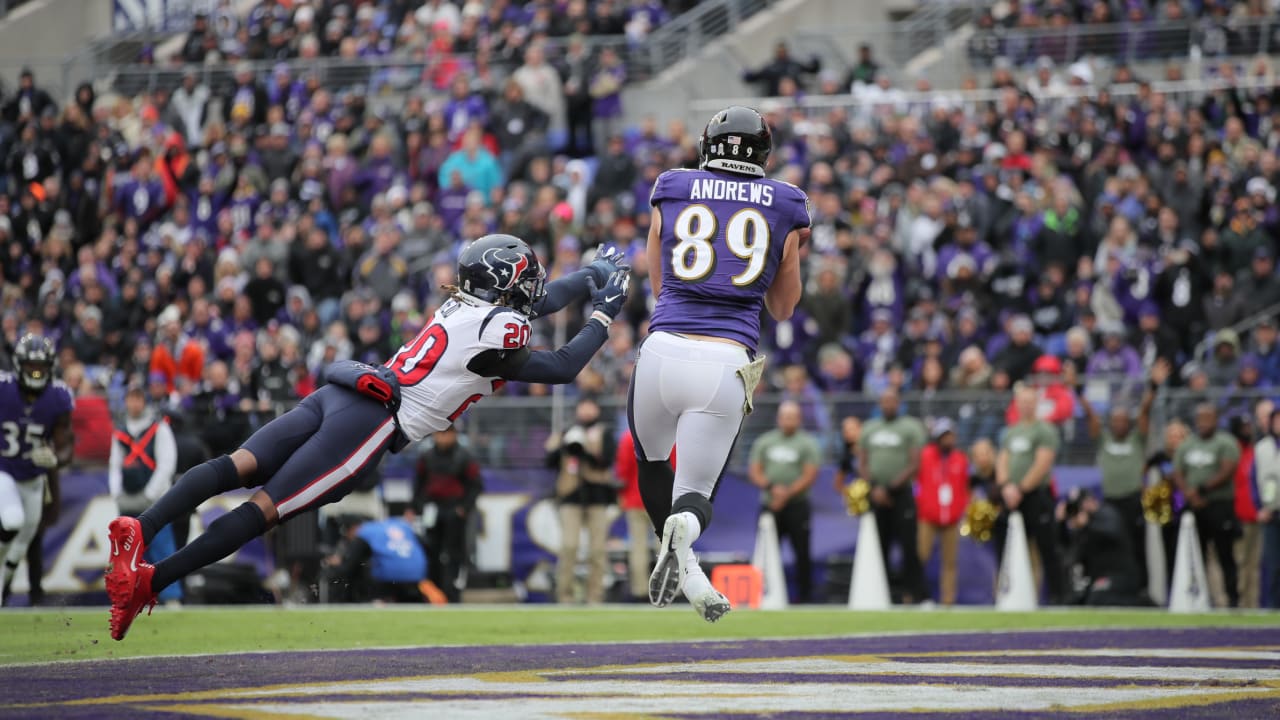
x=316, y=453
x=35, y=440
x=724, y=243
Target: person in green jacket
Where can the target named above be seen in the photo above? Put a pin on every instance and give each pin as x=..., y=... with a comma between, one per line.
x=784, y=464
x=1204, y=470
x=1122, y=457
x=1024, y=470
x=889, y=459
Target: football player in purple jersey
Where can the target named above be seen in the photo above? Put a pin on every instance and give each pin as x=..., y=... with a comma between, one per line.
x=724, y=243
x=35, y=440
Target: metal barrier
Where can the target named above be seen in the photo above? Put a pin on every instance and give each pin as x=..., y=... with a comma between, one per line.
x=112, y=67
x=372, y=76
x=921, y=103
x=511, y=432
x=1127, y=42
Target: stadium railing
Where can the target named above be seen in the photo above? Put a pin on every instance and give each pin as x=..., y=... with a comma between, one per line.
x=912, y=101
x=1127, y=42
x=1204, y=347
x=511, y=431
x=664, y=46
x=899, y=42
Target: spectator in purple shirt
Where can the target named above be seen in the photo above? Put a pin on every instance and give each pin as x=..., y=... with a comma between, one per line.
x=647, y=145
x=340, y=168
x=378, y=171
x=141, y=195
x=1263, y=341
x=452, y=202
x=606, y=95
x=1114, y=357
x=464, y=108
x=207, y=328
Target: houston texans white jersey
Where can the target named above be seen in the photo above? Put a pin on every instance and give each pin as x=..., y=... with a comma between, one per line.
x=435, y=385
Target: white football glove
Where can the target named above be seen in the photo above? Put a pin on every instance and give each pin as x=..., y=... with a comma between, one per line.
x=44, y=457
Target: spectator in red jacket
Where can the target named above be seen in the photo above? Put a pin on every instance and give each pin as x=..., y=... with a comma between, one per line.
x=179, y=358
x=942, y=497
x=1248, y=547
x=1057, y=403
x=639, y=527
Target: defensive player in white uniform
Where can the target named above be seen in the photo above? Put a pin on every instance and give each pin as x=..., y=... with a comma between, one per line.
x=724, y=243
x=317, y=452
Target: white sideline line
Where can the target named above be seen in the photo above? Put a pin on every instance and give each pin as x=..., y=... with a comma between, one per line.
x=634, y=608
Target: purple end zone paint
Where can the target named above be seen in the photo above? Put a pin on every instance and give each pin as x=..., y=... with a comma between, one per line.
x=61, y=682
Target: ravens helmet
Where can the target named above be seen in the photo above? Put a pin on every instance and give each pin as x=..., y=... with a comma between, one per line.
x=503, y=270
x=736, y=140
x=34, y=356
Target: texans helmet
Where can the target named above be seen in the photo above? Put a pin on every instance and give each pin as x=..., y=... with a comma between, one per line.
x=34, y=356
x=736, y=140
x=503, y=270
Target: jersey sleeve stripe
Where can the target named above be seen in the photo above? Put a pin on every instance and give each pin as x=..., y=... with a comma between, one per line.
x=492, y=314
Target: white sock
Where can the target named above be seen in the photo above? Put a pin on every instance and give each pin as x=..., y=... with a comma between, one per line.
x=696, y=583
x=691, y=564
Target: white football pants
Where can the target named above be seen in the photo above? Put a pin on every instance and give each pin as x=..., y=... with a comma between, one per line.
x=687, y=394
x=21, y=507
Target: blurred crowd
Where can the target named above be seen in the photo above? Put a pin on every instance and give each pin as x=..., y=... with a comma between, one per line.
x=498, y=31
x=221, y=245
x=956, y=241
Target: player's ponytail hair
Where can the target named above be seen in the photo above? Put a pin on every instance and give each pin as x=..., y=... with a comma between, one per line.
x=454, y=292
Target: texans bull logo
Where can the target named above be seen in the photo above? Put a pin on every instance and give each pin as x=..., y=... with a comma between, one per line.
x=505, y=271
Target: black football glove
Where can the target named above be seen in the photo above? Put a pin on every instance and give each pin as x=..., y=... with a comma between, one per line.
x=608, y=300
x=608, y=260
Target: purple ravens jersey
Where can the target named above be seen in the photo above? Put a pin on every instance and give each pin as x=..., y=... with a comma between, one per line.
x=25, y=425
x=722, y=242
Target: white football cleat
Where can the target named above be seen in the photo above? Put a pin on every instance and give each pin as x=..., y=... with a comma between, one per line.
x=678, y=534
x=708, y=602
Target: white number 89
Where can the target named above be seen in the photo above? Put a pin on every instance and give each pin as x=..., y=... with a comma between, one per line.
x=694, y=257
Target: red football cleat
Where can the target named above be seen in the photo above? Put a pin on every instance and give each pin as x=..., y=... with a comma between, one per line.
x=125, y=534
x=123, y=613
x=124, y=578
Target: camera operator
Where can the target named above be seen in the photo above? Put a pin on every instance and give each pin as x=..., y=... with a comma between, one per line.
x=1100, y=548
x=448, y=478
x=585, y=487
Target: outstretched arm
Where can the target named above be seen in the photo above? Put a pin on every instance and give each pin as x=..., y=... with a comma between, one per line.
x=551, y=367
x=575, y=286
x=560, y=293
x=557, y=367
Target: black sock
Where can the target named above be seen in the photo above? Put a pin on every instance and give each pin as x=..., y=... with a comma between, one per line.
x=223, y=537
x=657, y=480
x=197, y=485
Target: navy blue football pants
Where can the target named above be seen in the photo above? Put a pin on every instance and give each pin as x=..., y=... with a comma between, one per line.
x=317, y=452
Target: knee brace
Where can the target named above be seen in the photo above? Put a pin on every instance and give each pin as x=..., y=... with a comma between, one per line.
x=694, y=503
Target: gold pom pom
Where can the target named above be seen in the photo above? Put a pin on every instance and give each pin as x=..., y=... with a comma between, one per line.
x=979, y=519
x=857, y=497
x=1157, y=503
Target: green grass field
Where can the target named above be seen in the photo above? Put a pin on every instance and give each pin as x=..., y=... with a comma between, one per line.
x=81, y=634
